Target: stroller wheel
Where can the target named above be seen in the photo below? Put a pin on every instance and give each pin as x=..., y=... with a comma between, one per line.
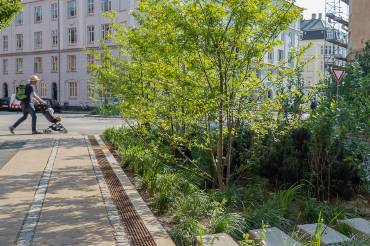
x=46, y=131
x=65, y=130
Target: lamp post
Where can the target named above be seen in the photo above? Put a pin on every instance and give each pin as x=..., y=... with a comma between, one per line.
x=59, y=68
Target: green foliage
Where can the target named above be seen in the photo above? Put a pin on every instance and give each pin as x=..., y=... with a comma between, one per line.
x=191, y=67
x=311, y=208
x=8, y=10
x=107, y=110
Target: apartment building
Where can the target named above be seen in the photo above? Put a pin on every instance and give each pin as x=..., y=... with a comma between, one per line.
x=323, y=52
x=282, y=53
x=49, y=39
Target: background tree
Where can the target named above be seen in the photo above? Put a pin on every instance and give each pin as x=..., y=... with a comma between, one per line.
x=8, y=10
x=190, y=71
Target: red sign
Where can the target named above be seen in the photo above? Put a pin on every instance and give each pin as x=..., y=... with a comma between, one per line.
x=339, y=73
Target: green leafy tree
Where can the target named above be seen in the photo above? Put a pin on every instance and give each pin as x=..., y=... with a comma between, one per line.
x=194, y=70
x=8, y=10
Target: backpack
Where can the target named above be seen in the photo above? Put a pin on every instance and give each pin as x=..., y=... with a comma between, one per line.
x=20, y=93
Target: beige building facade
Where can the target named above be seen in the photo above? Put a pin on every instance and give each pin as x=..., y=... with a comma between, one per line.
x=359, y=24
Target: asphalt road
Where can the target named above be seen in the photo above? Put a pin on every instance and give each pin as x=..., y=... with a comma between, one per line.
x=75, y=123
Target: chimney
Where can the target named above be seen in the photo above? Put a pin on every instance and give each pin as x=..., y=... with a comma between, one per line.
x=320, y=16
x=313, y=16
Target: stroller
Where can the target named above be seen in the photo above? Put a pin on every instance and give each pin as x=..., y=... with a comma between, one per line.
x=56, y=126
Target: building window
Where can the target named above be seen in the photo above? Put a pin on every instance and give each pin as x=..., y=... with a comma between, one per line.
x=38, y=14
x=38, y=40
x=72, y=35
x=43, y=89
x=71, y=7
x=90, y=34
x=290, y=39
x=19, y=19
x=270, y=56
x=38, y=65
x=5, y=90
x=54, y=64
x=283, y=36
x=90, y=7
x=106, y=5
x=290, y=59
x=5, y=66
x=71, y=63
x=54, y=11
x=106, y=32
x=5, y=43
x=54, y=38
x=90, y=61
x=281, y=55
x=72, y=89
x=19, y=65
x=19, y=41
x=322, y=49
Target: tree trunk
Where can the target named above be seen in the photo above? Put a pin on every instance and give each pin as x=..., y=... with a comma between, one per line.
x=220, y=148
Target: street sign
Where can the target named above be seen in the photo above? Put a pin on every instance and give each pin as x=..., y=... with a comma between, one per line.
x=339, y=73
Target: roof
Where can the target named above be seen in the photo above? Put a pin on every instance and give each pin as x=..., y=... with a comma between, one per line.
x=312, y=25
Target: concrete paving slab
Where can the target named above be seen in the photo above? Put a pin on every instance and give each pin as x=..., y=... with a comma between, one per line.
x=359, y=226
x=8, y=150
x=220, y=239
x=19, y=178
x=273, y=237
x=329, y=236
x=73, y=211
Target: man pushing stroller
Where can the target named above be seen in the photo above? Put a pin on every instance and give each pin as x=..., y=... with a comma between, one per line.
x=27, y=95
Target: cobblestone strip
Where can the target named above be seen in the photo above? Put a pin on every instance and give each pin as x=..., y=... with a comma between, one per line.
x=113, y=215
x=25, y=235
x=155, y=228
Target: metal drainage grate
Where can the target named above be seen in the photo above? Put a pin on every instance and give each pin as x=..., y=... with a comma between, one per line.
x=136, y=230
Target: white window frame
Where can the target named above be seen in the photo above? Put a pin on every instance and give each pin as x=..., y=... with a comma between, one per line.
x=281, y=55
x=106, y=5
x=72, y=32
x=91, y=34
x=71, y=14
x=90, y=7
x=54, y=11
x=270, y=56
x=5, y=66
x=54, y=64
x=90, y=59
x=37, y=65
x=19, y=41
x=72, y=87
x=5, y=43
x=54, y=38
x=43, y=88
x=19, y=19
x=37, y=10
x=106, y=28
x=37, y=40
x=19, y=65
x=71, y=63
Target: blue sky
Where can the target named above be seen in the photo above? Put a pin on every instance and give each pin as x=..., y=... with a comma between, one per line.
x=312, y=6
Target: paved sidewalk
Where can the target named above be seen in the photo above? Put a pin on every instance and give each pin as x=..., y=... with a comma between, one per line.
x=50, y=195
x=73, y=211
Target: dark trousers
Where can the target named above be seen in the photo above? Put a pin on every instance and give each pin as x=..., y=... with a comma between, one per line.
x=27, y=108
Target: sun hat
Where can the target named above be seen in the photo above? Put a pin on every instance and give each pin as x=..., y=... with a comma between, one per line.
x=34, y=78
